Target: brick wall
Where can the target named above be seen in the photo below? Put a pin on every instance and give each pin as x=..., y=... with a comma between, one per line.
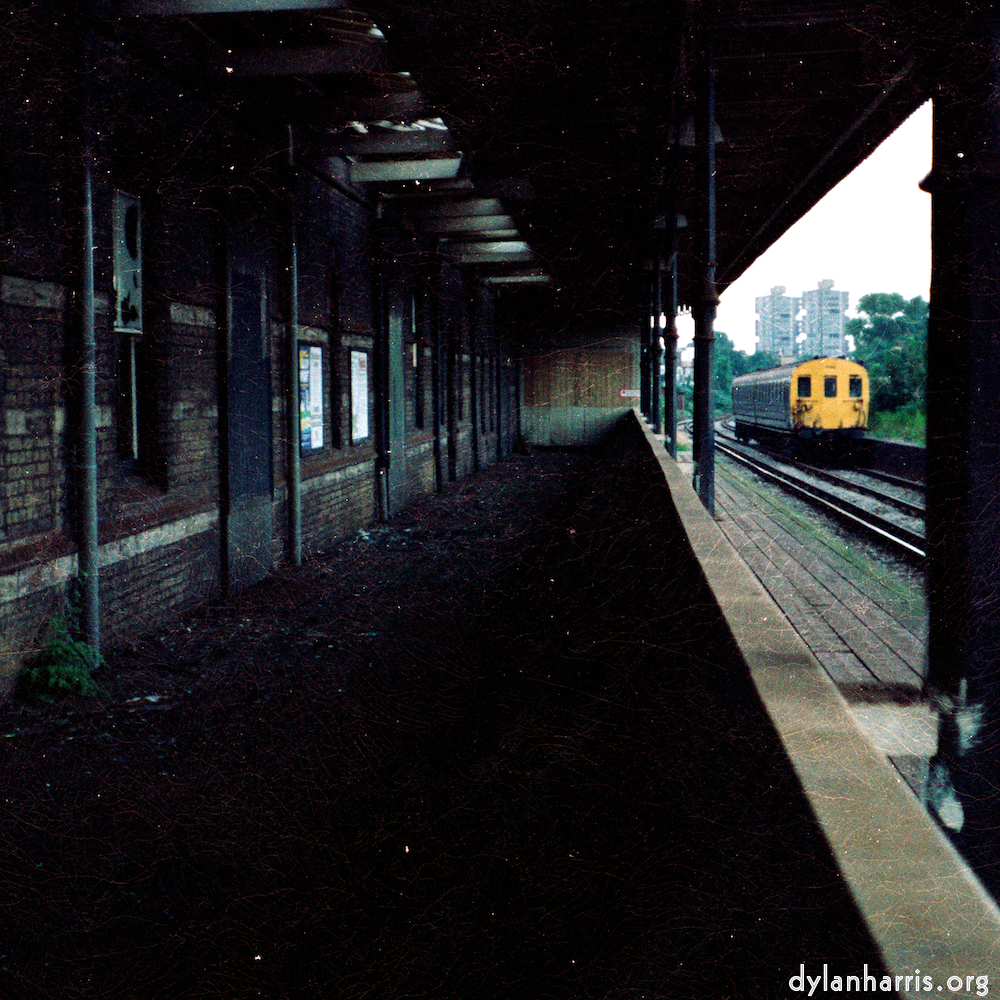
x=204, y=183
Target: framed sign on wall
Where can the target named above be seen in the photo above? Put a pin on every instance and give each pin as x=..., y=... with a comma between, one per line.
x=310, y=397
x=359, y=396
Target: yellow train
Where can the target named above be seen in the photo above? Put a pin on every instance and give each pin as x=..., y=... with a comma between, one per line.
x=821, y=400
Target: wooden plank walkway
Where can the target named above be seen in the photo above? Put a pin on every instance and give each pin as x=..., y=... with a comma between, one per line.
x=863, y=620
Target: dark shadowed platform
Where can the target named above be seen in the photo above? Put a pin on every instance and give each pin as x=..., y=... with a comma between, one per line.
x=507, y=746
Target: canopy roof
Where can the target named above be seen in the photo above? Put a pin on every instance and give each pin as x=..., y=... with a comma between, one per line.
x=544, y=141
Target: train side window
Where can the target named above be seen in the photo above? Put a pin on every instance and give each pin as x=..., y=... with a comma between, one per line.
x=855, y=387
x=805, y=386
x=830, y=387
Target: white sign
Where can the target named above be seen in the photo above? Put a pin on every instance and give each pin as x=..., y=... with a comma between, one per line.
x=310, y=397
x=629, y=393
x=359, y=395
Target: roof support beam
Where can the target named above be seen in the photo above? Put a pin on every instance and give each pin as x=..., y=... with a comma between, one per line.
x=456, y=225
x=515, y=278
x=174, y=8
x=323, y=60
x=500, y=252
x=181, y=8
x=387, y=140
x=438, y=207
x=395, y=171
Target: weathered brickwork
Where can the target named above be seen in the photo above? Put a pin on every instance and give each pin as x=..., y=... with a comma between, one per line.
x=336, y=504
x=189, y=410
x=34, y=412
x=25, y=621
x=147, y=588
x=420, y=464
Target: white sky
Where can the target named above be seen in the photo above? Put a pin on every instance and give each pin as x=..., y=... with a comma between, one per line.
x=871, y=233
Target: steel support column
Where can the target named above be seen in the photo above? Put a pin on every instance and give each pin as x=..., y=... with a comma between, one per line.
x=293, y=417
x=88, y=564
x=476, y=314
x=670, y=338
x=383, y=445
x=430, y=322
x=644, y=341
x=963, y=445
x=655, y=333
x=705, y=308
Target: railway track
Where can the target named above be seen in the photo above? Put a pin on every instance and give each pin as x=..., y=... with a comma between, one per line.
x=892, y=513
x=902, y=494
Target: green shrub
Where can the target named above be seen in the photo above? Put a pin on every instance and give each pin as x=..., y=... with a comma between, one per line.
x=63, y=668
x=909, y=423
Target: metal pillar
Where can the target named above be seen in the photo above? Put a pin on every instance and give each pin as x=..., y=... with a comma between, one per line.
x=476, y=311
x=963, y=447
x=500, y=415
x=655, y=333
x=705, y=308
x=383, y=446
x=437, y=372
x=293, y=427
x=88, y=572
x=670, y=341
x=645, y=337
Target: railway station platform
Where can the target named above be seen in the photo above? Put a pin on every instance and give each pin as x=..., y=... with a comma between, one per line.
x=862, y=614
x=545, y=734
x=861, y=618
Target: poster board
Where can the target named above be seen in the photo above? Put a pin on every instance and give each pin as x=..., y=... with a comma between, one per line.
x=310, y=397
x=359, y=396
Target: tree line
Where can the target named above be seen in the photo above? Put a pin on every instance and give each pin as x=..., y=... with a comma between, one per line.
x=890, y=340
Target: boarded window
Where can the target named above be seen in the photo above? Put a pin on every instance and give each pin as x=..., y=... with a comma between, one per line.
x=127, y=263
x=579, y=378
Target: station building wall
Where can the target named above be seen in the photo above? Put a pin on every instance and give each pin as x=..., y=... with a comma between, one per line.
x=193, y=490
x=573, y=395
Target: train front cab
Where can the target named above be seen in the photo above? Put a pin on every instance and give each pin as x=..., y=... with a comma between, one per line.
x=829, y=400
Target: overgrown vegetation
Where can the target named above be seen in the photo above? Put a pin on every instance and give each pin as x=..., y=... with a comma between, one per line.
x=907, y=424
x=64, y=667
x=890, y=340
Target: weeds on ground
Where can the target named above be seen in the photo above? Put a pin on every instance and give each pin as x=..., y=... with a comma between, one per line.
x=64, y=667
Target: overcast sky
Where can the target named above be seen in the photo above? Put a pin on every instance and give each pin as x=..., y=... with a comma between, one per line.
x=871, y=233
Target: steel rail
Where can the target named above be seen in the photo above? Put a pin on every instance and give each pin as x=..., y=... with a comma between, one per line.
x=906, y=484
x=904, y=506
x=909, y=543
